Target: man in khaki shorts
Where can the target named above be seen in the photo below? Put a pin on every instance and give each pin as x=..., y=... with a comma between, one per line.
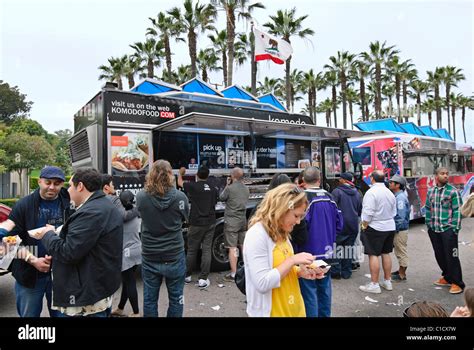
x=397, y=185
x=235, y=196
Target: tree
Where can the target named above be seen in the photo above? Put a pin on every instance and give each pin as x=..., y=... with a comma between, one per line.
x=331, y=78
x=450, y=76
x=465, y=102
x=28, y=152
x=13, y=104
x=219, y=41
x=325, y=107
x=231, y=8
x=428, y=107
x=195, y=18
x=115, y=71
x=165, y=29
x=27, y=126
x=359, y=72
x=312, y=83
x=151, y=52
x=378, y=56
x=286, y=25
x=207, y=61
x=62, y=157
x=342, y=65
x=419, y=87
x=435, y=79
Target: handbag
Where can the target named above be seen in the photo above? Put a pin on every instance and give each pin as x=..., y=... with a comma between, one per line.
x=240, y=277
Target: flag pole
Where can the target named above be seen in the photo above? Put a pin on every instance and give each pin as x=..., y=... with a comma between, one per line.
x=253, y=65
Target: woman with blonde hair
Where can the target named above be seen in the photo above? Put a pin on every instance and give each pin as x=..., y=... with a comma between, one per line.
x=271, y=268
x=163, y=209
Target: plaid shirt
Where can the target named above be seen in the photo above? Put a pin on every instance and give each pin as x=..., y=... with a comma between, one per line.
x=443, y=208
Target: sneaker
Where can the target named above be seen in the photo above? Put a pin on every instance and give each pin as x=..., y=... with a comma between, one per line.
x=204, y=283
x=188, y=279
x=134, y=315
x=229, y=278
x=355, y=266
x=395, y=273
x=371, y=288
x=442, y=282
x=455, y=289
x=386, y=284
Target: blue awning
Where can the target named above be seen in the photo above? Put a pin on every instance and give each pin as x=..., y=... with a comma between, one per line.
x=236, y=91
x=429, y=131
x=444, y=134
x=271, y=99
x=199, y=86
x=411, y=128
x=380, y=125
x=153, y=86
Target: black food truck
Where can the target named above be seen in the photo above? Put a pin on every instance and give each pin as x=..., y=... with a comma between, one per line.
x=123, y=133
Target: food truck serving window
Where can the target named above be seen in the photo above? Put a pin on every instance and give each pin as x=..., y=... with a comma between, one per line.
x=362, y=155
x=180, y=149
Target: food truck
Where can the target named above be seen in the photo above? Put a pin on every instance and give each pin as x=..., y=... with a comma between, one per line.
x=413, y=152
x=122, y=133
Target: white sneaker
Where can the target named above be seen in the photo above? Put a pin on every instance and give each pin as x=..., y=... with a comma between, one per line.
x=371, y=288
x=204, y=283
x=386, y=284
x=187, y=279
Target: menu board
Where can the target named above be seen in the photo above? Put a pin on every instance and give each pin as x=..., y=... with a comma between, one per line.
x=293, y=154
x=266, y=153
x=212, y=151
x=130, y=156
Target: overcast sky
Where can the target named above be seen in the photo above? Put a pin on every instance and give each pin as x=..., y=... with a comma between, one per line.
x=51, y=49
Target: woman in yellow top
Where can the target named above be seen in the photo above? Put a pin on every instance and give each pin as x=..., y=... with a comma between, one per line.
x=271, y=268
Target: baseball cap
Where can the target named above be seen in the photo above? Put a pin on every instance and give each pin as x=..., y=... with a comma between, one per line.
x=52, y=172
x=347, y=176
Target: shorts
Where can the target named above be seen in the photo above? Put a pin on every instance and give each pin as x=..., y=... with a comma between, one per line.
x=234, y=233
x=377, y=242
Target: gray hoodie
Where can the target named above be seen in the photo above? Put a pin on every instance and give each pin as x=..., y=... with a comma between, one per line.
x=162, y=221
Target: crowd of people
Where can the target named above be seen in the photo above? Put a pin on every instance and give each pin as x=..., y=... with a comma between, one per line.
x=81, y=244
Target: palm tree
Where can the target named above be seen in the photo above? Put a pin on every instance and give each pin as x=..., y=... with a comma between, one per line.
x=450, y=77
x=242, y=49
x=183, y=74
x=464, y=102
x=453, y=100
x=165, y=29
x=219, y=41
x=242, y=9
x=359, y=72
x=342, y=64
x=434, y=79
x=428, y=107
x=133, y=66
x=151, y=51
x=419, y=87
x=296, y=83
x=388, y=90
x=326, y=106
x=207, y=61
x=352, y=97
x=286, y=25
x=378, y=56
x=331, y=78
x=408, y=75
x=115, y=71
x=312, y=83
x=195, y=18
x=270, y=86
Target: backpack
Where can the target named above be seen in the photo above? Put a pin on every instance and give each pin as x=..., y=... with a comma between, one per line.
x=240, y=277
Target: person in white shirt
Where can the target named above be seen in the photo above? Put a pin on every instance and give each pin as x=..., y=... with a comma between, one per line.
x=378, y=212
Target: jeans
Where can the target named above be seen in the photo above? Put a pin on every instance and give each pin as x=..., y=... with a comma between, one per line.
x=153, y=273
x=196, y=236
x=344, y=255
x=29, y=301
x=317, y=296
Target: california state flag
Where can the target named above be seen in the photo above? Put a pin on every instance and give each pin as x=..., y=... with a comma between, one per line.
x=269, y=47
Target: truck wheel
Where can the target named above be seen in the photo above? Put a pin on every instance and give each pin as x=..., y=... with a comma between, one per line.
x=220, y=258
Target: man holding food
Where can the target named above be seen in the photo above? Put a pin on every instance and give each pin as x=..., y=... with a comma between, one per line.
x=49, y=204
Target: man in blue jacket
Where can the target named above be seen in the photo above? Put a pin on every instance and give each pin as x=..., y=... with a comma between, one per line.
x=349, y=201
x=324, y=221
x=397, y=185
x=49, y=204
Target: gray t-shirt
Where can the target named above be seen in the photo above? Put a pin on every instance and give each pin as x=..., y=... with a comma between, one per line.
x=235, y=197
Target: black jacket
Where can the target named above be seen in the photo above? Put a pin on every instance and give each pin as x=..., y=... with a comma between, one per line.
x=87, y=255
x=349, y=202
x=25, y=215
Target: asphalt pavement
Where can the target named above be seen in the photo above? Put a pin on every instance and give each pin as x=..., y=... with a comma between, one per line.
x=223, y=299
